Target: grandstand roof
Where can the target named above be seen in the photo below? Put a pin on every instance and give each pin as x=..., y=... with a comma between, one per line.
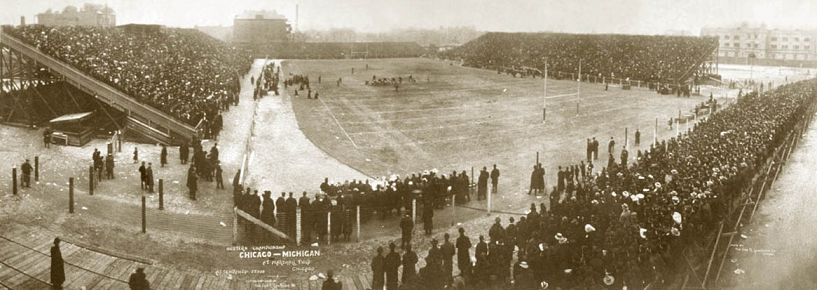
x=71, y=117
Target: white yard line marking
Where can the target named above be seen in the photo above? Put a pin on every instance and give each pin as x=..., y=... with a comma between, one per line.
x=338, y=123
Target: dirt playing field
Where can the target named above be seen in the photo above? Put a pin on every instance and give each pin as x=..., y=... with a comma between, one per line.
x=453, y=118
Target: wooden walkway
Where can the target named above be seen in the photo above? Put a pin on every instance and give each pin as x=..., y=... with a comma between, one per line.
x=25, y=263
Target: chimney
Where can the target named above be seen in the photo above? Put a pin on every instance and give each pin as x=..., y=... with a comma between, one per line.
x=22, y=21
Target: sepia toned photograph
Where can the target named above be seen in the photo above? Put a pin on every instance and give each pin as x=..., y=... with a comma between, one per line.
x=408, y=145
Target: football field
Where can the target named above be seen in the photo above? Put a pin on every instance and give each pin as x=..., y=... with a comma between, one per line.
x=453, y=118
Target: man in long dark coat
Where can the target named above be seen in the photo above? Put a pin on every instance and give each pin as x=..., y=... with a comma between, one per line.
x=163, y=156
x=378, y=270
x=268, y=214
x=291, y=206
x=281, y=216
x=184, y=153
x=143, y=175
x=463, y=253
x=482, y=184
x=534, y=177
x=447, y=250
x=57, y=265
x=192, y=182
x=494, y=179
x=428, y=218
x=406, y=228
x=26, y=177
x=409, y=262
x=306, y=219
x=149, y=177
x=391, y=263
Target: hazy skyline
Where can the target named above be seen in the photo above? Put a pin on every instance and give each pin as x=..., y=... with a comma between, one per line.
x=577, y=16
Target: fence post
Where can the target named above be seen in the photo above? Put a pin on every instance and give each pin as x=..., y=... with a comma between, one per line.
x=235, y=225
x=91, y=180
x=119, y=140
x=70, y=195
x=329, y=228
x=36, y=168
x=454, y=207
x=358, y=223
x=639, y=84
x=143, y=215
x=161, y=194
x=414, y=211
x=14, y=179
x=489, y=203
x=298, y=226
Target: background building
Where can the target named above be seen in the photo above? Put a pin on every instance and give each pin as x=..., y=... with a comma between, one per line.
x=261, y=27
x=759, y=45
x=89, y=15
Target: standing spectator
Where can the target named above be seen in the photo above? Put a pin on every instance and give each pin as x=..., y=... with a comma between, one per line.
x=163, y=156
x=135, y=155
x=57, y=265
x=428, y=218
x=143, y=175
x=447, y=250
x=589, y=149
x=378, y=270
x=391, y=263
x=409, y=269
x=306, y=219
x=47, y=138
x=268, y=212
x=330, y=283
x=595, y=149
x=192, y=182
x=637, y=137
x=463, y=252
x=219, y=176
x=138, y=280
x=494, y=179
x=26, y=177
x=611, y=146
x=289, y=210
x=109, y=166
x=184, y=152
x=149, y=177
x=534, y=178
x=482, y=185
x=407, y=228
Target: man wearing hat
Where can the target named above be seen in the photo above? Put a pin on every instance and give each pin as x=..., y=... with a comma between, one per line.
x=409, y=261
x=406, y=226
x=494, y=179
x=138, y=280
x=482, y=184
x=447, y=250
x=391, y=263
x=57, y=265
x=330, y=283
x=463, y=252
x=306, y=218
x=143, y=174
x=26, y=177
x=378, y=270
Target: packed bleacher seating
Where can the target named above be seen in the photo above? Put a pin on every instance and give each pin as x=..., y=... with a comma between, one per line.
x=631, y=222
x=335, y=50
x=183, y=72
x=638, y=57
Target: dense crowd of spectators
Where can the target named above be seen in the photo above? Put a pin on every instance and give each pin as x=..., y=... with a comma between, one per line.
x=626, y=225
x=638, y=57
x=378, y=198
x=335, y=50
x=182, y=72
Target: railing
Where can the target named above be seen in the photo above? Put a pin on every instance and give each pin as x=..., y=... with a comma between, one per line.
x=100, y=90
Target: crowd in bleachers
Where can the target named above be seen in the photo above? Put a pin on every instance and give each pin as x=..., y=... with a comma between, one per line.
x=182, y=72
x=335, y=50
x=638, y=57
x=626, y=225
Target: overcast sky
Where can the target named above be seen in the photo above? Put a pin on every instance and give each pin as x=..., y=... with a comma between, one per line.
x=578, y=16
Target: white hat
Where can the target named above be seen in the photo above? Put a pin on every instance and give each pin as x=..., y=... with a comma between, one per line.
x=523, y=264
x=676, y=216
x=589, y=229
x=675, y=200
x=640, y=196
x=675, y=232
x=568, y=271
x=609, y=280
x=625, y=193
x=643, y=233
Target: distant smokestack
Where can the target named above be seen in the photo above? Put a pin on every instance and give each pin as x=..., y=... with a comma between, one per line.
x=22, y=21
x=296, y=17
